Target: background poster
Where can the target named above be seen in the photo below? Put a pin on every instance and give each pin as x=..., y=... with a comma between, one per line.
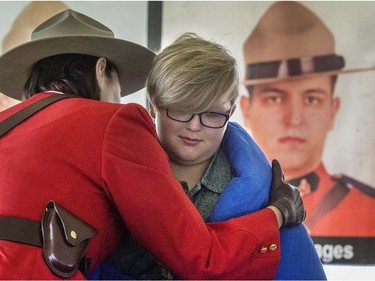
x=350, y=146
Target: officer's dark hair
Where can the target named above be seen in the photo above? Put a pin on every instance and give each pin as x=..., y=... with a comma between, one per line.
x=73, y=74
x=250, y=88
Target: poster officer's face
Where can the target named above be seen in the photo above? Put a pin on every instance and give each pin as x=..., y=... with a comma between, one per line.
x=290, y=120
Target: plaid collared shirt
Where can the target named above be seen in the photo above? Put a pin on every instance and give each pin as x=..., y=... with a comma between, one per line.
x=207, y=191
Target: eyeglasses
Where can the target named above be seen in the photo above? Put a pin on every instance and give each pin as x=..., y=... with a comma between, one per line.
x=212, y=120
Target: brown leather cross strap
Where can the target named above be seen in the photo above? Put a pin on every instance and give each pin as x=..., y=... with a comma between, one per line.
x=21, y=230
x=330, y=201
x=26, y=112
x=14, y=228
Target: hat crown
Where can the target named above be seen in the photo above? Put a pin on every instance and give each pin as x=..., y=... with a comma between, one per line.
x=70, y=23
x=288, y=30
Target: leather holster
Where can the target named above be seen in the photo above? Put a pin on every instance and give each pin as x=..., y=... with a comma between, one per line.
x=65, y=239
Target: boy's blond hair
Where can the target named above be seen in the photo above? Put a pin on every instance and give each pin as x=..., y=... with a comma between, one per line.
x=193, y=75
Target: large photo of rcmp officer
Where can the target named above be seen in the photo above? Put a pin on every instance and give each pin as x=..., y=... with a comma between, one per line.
x=308, y=100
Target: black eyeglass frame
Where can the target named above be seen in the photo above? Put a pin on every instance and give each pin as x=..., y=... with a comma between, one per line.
x=227, y=116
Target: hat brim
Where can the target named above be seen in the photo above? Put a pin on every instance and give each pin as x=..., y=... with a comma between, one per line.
x=306, y=75
x=133, y=62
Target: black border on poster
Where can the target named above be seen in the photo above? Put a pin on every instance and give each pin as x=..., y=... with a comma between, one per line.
x=154, y=25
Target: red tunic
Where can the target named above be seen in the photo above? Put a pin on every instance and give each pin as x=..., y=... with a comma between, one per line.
x=353, y=216
x=93, y=157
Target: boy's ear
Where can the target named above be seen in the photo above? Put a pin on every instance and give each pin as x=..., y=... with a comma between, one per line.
x=152, y=110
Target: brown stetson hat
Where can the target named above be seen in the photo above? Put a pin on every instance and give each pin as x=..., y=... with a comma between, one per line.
x=288, y=42
x=70, y=32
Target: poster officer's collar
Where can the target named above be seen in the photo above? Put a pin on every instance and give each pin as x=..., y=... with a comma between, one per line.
x=312, y=179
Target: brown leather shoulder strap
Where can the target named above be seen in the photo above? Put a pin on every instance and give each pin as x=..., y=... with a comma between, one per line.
x=12, y=121
x=330, y=201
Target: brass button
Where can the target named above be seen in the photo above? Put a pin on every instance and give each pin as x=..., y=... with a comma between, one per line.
x=73, y=234
x=273, y=247
x=263, y=249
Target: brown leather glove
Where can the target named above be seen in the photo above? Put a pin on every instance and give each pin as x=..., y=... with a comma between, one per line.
x=286, y=198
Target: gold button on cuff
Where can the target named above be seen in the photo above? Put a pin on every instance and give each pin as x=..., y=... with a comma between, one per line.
x=73, y=234
x=273, y=247
x=263, y=249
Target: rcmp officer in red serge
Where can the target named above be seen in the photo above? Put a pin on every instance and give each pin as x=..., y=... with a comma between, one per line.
x=291, y=71
x=81, y=173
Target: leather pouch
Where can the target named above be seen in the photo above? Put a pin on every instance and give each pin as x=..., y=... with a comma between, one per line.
x=65, y=239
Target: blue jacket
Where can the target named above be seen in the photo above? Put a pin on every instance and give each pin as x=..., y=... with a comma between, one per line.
x=249, y=191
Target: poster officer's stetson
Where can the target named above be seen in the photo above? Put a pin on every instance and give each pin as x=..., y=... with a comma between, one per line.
x=290, y=41
x=70, y=32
